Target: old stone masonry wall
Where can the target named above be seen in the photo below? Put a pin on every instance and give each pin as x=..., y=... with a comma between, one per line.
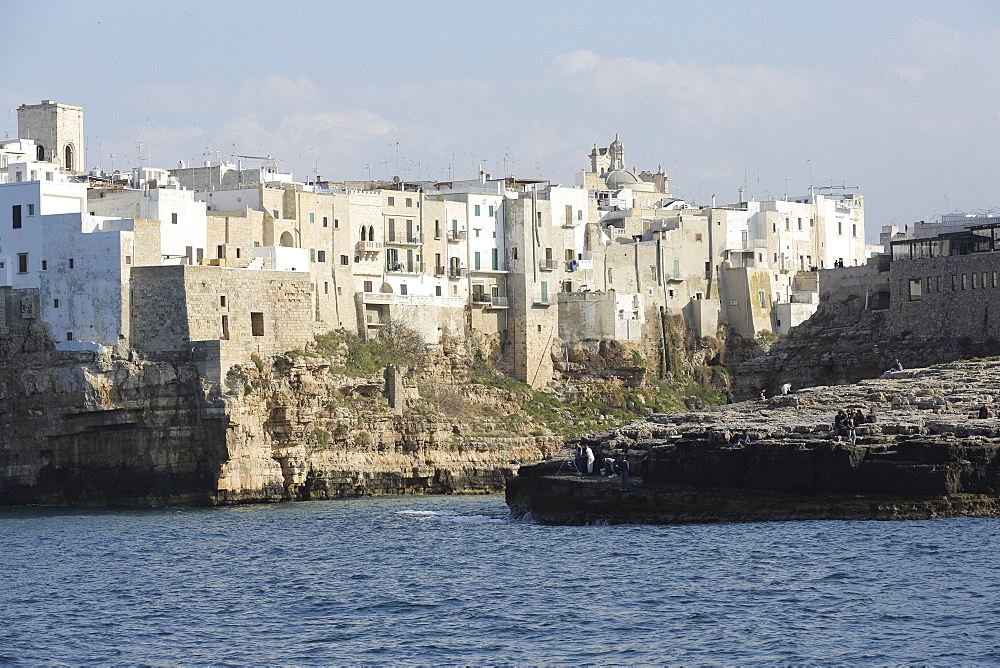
x=118, y=428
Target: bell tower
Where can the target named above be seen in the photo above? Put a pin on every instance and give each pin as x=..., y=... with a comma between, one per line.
x=57, y=129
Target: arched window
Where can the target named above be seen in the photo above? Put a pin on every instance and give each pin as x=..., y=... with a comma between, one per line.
x=371, y=233
x=40, y=153
x=364, y=233
x=68, y=162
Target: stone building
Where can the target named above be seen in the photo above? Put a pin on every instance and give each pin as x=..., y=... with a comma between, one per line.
x=57, y=130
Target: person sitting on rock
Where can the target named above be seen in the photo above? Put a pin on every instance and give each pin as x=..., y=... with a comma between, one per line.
x=871, y=415
x=734, y=440
x=897, y=366
x=984, y=412
x=838, y=423
x=763, y=396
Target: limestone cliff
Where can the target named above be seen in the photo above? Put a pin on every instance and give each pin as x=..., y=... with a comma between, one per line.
x=117, y=428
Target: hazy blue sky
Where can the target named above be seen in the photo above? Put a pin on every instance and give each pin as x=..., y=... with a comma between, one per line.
x=901, y=99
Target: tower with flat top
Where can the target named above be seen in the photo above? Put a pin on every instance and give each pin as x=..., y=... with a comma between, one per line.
x=57, y=130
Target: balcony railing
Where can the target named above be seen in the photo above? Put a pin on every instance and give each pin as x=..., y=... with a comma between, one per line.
x=548, y=265
x=456, y=235
x=490, y=301
x=456, y=272
x=439, y=270
x=405, y=267
x=481, y=298
x=369, y=246
x=499, y=302
x=544, y=299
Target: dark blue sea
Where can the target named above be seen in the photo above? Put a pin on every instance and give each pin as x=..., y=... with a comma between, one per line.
x=452, y=580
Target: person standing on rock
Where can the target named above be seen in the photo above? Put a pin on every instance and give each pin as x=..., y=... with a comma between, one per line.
x=786, y=388
x=623, y=470
x=578, y=458
x=589, y=455
x=852, y=435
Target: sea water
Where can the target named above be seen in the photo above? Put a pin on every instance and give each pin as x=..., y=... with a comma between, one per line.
x=431, y=580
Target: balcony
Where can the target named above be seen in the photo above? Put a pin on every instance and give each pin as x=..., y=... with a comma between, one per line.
x=368, y=246
x=456, y=272
x=411, y=241
x=405, y=267
x=548, y=265
x=544, y=299
x=440, y=271
x=489, y=301
x=456, y=235
x=376, y=297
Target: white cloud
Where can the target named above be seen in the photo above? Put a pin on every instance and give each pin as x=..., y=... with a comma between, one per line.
x=576, y=61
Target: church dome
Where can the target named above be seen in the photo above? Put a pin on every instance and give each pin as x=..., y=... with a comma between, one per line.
x=620, y=178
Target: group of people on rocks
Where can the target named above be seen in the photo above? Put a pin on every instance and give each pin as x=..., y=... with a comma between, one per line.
x=845, y=425
x=737, y=440
x=989, y=411
x=583, y=458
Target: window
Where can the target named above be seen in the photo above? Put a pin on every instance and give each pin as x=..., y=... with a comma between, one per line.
x=762, y=299
x=840, y=228
x=677, y=268
x=491, y=210
x=326, y=287
x=403, y=289
x=222, y=301
x=220, y=252
x=477, y=209
x=325, y=222
x=477, y=260
x=72, y=263
x=312, y=217
x=22, y=263
x=579, y=214
x=409, y=201
x=237, y=253
x=173, y=218
x=368, y=286
x=274, y=214
x=16, y=216
x=18, y=177
x=611, y=276
x=55, y=303
x=392, y=229
x=392, y=201
x=69, y=336
x=914, y=289
x=495, y=259
x=128, y=259
x=787, y=226
x=477, y=233
x=854, y=230
x=321, y=256
x=437, y=229
x=670, y=293
x=45, y=265
x=48, y=176
x=256, y=323
x=336, y=223
x=225, y=328
x=437, y=290
x=800, y=224
x=811, y=222
x=31, y=209
x=344, y=260
x=69, y=158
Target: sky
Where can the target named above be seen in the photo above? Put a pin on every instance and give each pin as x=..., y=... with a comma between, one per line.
x=896, y=100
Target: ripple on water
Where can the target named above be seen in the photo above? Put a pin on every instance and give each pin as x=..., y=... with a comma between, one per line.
x=453, y=580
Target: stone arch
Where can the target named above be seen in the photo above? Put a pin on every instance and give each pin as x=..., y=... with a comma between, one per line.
x=879, y=301
x=40, y=153
x=69, y=155
x=386, y=288
x=286, y=240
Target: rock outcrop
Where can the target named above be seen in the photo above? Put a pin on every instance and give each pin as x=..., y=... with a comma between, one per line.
x=117, y=428
x=926, y=455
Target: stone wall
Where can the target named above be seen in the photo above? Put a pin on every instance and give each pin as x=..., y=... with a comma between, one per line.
x=180, y=304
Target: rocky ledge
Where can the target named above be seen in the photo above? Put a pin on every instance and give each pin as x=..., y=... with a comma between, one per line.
x=927, y=455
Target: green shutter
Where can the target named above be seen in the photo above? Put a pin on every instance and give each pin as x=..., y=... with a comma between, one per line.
x=677, y=268
x=496, y=259
x=478, y=265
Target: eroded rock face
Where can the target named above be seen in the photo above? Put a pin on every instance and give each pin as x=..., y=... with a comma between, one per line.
x=120, y=429
x=926, y=455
